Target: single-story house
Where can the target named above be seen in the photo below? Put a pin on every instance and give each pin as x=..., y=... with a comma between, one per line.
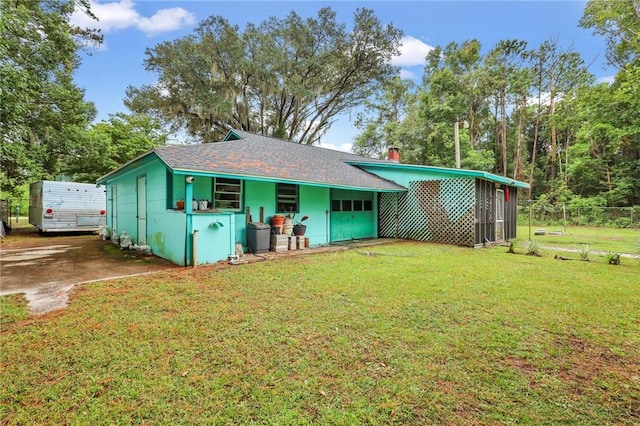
x=249, y=178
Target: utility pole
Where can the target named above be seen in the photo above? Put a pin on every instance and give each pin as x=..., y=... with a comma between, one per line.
x=456, y=139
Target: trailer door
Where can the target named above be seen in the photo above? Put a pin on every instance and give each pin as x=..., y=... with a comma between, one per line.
x=142, y=209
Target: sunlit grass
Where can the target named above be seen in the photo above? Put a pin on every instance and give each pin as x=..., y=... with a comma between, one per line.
x=619, y=240
x=405, y=333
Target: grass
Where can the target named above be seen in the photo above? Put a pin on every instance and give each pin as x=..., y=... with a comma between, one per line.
x=407, y=333
x=618, y=240
x=21, y=230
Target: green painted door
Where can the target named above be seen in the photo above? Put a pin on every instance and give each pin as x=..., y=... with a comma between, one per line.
x=352, y=215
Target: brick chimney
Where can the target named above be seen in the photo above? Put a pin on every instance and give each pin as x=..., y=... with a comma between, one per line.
x=394, y=154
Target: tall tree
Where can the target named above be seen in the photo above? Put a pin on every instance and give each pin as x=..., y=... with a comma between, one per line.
x=284, y=77
x=453, y=91
x=503, y=62
x=619, y=22
x=110, y=144
x=558, y=73
x=382, y=118
x=42, y=112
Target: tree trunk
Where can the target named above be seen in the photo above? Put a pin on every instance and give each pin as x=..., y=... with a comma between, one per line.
x=554, y=134
x=516, y=160
x=503, y=131
x=496, y=138
x=536, y=132
x=566, y=157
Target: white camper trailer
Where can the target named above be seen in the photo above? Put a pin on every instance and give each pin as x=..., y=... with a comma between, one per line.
x=67, y=206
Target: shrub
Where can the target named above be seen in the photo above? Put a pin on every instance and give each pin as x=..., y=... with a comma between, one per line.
x=533, y=248
x=622, y=222
x=612, y=258
x=584, y=252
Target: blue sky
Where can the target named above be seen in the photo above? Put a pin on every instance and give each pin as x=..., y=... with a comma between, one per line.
x=129, y=27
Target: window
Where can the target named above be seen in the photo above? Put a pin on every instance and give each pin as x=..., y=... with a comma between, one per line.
x=227, y=194
x=286, y=198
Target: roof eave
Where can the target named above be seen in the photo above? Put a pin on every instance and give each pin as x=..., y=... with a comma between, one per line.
x=461, y=172
x=207, y=173
x=103, y=179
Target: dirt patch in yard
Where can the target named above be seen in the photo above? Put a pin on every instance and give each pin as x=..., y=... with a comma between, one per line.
x=46, y=267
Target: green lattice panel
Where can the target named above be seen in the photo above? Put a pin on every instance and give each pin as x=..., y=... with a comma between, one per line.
x=387, y=223
x=438, y=211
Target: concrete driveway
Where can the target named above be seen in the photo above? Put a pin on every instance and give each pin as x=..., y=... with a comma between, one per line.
x=46, y=268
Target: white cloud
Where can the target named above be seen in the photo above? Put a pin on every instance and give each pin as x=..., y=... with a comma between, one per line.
x=407, y=75
x=608, y=79
x=345, y=147
x=122, y=14
x=412, y=52
x=166, y=20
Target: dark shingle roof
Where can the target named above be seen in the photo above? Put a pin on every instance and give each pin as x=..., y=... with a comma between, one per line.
x=269, y=158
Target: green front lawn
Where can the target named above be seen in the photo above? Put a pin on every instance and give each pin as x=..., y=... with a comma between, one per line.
x=407, y=333
x=619, y=240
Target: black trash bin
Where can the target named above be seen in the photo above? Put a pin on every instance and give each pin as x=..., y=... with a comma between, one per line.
x=258, y=237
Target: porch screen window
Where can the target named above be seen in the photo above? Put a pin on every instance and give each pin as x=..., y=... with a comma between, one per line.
x=286, y=198
x=227, y=194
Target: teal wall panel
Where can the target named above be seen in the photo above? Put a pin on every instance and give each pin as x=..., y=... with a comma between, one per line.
x=405, y=176
x=315, y=202
x=257, y=195
x=167, y=235
x=214, y=236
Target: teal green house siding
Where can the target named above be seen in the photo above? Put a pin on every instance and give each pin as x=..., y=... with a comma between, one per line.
x=179, y=235
x=165, y=229
x=343, y=195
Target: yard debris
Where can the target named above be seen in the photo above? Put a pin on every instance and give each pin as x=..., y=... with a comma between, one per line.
x=561, y=257
x=103, y=232
x=125, y=241
x=144, y=249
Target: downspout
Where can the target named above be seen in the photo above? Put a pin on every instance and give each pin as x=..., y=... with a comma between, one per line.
x=194, y=244
x=188, y=210
x=326, y=226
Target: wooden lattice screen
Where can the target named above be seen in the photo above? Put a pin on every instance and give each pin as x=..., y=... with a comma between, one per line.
x=439, y=211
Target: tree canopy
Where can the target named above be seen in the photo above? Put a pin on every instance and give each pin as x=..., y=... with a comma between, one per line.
x=530, y=112
x=42, y=112
x=287, y=77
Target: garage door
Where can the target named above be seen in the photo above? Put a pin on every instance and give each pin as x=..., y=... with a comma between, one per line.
x=352, y=215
